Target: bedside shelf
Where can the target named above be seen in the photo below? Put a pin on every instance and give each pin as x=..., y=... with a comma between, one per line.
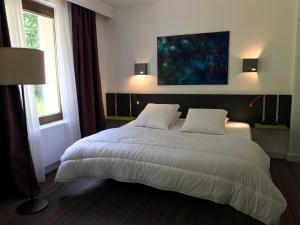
x=120, y=118
x=273, y=127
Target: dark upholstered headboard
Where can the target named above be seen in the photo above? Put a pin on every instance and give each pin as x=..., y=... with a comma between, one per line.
x=120, y=104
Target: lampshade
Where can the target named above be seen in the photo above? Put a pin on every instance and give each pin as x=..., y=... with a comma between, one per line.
x=21, y=66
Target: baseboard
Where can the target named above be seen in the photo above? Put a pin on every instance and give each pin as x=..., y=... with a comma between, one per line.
x=292, y=157
x=52, y=167
x=277, y=155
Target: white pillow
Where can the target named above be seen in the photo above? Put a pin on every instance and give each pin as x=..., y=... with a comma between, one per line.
x=157, y=116
x=209, y=121
x=176, y=117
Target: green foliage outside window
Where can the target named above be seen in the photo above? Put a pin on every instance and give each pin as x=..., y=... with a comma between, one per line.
x=31, y=28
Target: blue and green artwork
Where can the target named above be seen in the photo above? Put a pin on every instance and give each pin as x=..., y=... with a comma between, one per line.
x=196, y=59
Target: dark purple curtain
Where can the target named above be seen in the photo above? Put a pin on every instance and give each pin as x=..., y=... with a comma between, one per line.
x=14, y=145
x=88, y=84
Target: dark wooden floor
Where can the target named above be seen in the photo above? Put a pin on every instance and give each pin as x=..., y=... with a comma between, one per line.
x=114, y=203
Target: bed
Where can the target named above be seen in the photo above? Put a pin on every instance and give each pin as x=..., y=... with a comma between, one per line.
x=227, y=169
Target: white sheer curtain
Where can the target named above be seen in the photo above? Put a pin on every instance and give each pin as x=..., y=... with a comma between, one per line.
x=17, y=36
x=66, y=72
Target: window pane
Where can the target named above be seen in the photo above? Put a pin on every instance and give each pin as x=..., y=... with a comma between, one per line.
x=40, y=34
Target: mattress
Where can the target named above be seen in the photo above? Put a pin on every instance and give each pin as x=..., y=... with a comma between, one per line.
x=228, y=169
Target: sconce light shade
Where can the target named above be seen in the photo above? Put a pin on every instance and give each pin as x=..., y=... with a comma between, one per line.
x=250, y=65
x=141, y=69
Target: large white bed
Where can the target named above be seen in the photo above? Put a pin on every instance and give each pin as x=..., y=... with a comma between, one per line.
x=227, y=169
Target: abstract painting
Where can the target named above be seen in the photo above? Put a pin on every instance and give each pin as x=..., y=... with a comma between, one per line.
x=196, y=59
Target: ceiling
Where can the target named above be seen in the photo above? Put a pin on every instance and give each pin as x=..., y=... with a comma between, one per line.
x=123, y=2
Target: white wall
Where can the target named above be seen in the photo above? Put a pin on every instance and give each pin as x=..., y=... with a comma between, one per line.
x=265, y=29
x=298, y=1
x=294, y=152
x=54, y=141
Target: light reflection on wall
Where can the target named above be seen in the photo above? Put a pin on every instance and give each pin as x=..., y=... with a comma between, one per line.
x=141, y=83
x=252, y=52
x=252, y=78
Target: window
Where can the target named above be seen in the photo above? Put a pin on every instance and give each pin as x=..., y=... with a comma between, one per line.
x=40, y=34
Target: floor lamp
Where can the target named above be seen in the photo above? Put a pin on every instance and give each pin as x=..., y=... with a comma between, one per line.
x=19, y=66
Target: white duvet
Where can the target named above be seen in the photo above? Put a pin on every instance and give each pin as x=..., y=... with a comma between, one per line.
x=227, y=169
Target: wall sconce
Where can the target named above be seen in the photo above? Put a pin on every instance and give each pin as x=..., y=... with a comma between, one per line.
x=141, y=69
x=250, y=65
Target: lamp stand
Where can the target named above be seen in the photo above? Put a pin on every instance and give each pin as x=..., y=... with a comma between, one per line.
x=33, y=205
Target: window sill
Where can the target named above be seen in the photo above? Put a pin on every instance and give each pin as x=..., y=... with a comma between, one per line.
x=52, y=124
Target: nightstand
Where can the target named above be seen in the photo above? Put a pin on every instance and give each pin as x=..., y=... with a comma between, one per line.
x=274, y=139
x=117, y=121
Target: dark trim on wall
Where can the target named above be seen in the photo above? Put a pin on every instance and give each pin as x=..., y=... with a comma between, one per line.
x=118, y=104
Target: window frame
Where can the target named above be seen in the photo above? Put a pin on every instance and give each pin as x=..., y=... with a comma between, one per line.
x=38, y=8
x=43, y=10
